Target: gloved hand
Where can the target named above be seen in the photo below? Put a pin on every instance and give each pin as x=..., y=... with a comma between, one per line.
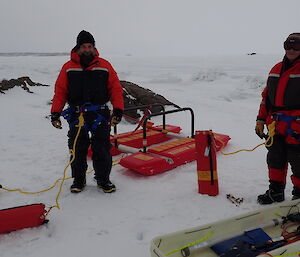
x=55, y=120
x=259, y=128
x=116, y=117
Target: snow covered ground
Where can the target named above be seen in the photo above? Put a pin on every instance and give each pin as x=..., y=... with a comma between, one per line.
x=224, y=92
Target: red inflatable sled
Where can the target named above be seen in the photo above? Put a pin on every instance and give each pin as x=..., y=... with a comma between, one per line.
x=170, y=149
x=167, y=156
x=26, y=216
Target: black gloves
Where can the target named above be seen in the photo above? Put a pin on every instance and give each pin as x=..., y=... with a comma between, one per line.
x=259, y=128
x=116, y=116
x=55, y=120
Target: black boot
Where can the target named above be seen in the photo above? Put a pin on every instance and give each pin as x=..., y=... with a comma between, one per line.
x=274, y=194
x=77, y=186
x=107, y=187
x=296, y=193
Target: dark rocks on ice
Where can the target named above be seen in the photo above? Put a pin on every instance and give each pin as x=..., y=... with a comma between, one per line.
x=135, y=95
x=23, y=82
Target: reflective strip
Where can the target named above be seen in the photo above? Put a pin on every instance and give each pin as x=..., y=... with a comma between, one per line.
x=74, y=69
x=98, y=68
x=274, y=75
x=143, y=157
x=294, y=76
x=205, y=175
x=79, y=69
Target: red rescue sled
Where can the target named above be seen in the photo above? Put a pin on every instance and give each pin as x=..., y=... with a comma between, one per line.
x=168, y=155
x=20, y=217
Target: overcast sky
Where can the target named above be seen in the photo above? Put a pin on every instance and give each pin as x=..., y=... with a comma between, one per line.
x=149, y=27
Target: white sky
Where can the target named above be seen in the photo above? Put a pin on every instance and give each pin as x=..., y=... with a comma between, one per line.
x=149, y=27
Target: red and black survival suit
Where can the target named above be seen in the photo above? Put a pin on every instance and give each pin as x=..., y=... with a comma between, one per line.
x=87, y=90
x=281, y=103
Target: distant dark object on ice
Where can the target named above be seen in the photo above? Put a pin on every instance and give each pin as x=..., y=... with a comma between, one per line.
x=135, y=95
x=23, y=82
x=251, y=53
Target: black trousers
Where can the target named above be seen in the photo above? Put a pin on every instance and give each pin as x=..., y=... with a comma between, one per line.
x=99, y=140
x=279, y=155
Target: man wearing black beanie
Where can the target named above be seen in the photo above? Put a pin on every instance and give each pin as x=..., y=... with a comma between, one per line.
x=279, y=111
x=87, y=82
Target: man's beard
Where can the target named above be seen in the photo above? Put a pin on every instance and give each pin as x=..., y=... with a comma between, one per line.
x=86, y=58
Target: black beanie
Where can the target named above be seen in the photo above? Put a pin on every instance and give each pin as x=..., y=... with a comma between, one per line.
x=84, y=37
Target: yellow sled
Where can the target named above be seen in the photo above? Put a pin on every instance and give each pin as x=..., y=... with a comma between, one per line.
x=199, y=241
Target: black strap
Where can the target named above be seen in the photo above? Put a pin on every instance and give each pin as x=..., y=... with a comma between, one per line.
x=210, y=159
x=285, y=108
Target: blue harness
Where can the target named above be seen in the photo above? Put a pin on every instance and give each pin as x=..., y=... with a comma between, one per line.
x=288, y=119
x=68, y=115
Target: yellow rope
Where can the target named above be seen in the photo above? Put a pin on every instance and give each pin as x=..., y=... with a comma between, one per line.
x=73, y=154
x=271, y=129
x=288, y=254
x=209, y=235
x=33, y=193
x=115, y=162
x=269, y=141
x=241, y=150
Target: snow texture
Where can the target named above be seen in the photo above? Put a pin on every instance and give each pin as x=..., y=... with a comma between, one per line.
x=224, y=92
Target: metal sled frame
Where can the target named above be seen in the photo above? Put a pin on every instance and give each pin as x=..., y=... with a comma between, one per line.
x=164, y=156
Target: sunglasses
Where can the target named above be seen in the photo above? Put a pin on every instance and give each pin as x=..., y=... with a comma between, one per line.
x=291, y=44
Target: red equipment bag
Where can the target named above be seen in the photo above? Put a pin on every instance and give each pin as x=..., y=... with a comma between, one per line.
x=206, y=163
x=20, y=217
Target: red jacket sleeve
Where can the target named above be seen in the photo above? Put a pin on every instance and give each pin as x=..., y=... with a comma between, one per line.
x=60, y=91
x=263, y=112
x=115, y=89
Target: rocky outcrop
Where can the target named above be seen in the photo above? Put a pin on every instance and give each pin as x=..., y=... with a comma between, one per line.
x=135, y=95
x=23, y=82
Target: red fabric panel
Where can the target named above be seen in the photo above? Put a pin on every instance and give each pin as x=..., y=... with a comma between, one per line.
x=21, y=217
x=221, y=140
x=154, y=136
x=145, y=164
x=278, y=175
x=296, y=181
x=206, y=163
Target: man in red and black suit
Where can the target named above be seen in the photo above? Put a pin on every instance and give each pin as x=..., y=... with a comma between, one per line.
x=281, y=106
x=87, y=82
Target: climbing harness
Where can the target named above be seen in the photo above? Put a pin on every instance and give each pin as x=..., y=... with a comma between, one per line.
x=288, y=119
x=70, y=114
